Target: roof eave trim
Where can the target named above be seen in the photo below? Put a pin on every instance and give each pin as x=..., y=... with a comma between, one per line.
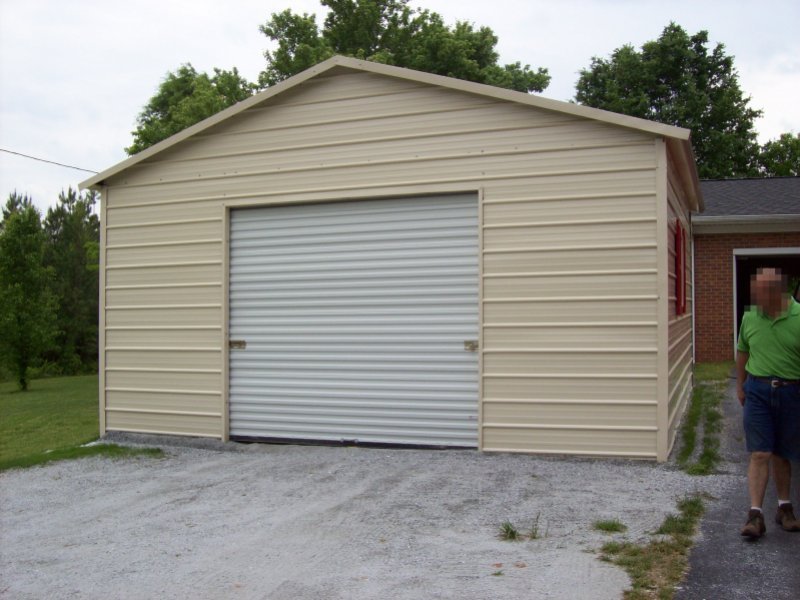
x=745, y=218
x=687, y=171
x=577, y=110
x=745, y=224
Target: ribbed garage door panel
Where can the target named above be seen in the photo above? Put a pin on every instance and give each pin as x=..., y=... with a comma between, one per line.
x=355, y=316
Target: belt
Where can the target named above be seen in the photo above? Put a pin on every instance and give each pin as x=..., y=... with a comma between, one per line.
x=776, y=382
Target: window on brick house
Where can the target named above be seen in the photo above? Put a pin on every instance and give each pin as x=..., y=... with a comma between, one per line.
x=680, y=268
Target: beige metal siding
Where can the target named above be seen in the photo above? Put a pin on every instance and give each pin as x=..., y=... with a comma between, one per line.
x=161, y=368
x=569, y=262
x=569, y=300
x=680, y=356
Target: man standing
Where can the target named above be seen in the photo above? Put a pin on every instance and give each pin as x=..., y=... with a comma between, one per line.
x=768, y=387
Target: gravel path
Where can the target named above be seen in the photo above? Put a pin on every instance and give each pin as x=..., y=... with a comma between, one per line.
x=216, y=520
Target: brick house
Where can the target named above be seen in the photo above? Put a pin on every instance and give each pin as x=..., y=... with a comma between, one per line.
x=747, y=224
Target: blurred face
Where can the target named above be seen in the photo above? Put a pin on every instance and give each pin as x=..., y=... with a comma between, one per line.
x=766, y=289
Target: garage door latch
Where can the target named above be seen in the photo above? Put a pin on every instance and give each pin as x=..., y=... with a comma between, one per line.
x=471, y=345
x=237, y=344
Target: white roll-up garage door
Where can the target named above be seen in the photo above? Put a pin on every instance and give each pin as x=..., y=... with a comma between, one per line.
x=352, y=321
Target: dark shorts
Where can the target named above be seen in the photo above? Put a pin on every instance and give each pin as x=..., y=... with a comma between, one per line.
x=772, y=418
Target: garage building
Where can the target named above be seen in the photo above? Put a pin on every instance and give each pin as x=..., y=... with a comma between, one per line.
x=369, y=254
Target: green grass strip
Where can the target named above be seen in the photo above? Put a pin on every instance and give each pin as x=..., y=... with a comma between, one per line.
x=52, y=421
x=713, y=371
x=657, y=567
x=691, y=420
x=107, y=450
x=56, y=413
x=704, y=409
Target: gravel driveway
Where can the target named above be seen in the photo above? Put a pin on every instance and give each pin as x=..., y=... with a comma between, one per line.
x=215, y=520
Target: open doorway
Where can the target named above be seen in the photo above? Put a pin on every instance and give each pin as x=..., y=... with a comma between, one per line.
x=745, y=264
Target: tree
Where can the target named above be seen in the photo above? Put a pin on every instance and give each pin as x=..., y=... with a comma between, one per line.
x=27, y=308
x=15, y=203
x=389, y=32
x=184, y=98
x=300, y=46
x=385, y=31
x=780, y=157
x=677, y=80
x=72, y=232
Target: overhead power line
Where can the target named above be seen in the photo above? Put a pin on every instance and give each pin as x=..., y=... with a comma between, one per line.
x=44, y=160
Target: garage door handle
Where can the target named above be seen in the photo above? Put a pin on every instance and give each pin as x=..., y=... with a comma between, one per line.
x=237, y=344
x=471, y=345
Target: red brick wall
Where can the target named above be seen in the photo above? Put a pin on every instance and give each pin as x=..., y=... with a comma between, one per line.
x=714, y=287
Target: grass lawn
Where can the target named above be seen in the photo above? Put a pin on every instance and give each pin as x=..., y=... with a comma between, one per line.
x=51, y=421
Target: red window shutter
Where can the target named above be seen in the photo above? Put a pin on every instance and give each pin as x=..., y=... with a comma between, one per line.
x=680, y=268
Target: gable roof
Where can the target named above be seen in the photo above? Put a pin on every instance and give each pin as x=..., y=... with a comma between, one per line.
x=769, y=204
x=677, y=138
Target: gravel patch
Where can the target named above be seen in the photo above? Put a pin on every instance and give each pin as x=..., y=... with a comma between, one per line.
x=226, y=520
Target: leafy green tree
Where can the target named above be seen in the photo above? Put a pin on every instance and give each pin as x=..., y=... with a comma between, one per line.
x=678, y=80
x=300, y=46
x=389, y=32
x=72, y=231
x=27, y=307
x=184, y=98
x=385, y=31
x=781, y=157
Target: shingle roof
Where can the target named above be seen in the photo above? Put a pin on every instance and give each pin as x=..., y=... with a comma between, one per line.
x=745, y=197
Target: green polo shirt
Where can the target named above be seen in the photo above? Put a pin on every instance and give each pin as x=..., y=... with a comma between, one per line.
x=773, y=344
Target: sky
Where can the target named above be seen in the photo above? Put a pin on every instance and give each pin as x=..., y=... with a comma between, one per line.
x=74, y=75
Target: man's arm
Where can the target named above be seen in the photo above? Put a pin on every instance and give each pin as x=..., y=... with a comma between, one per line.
x=741, y=374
